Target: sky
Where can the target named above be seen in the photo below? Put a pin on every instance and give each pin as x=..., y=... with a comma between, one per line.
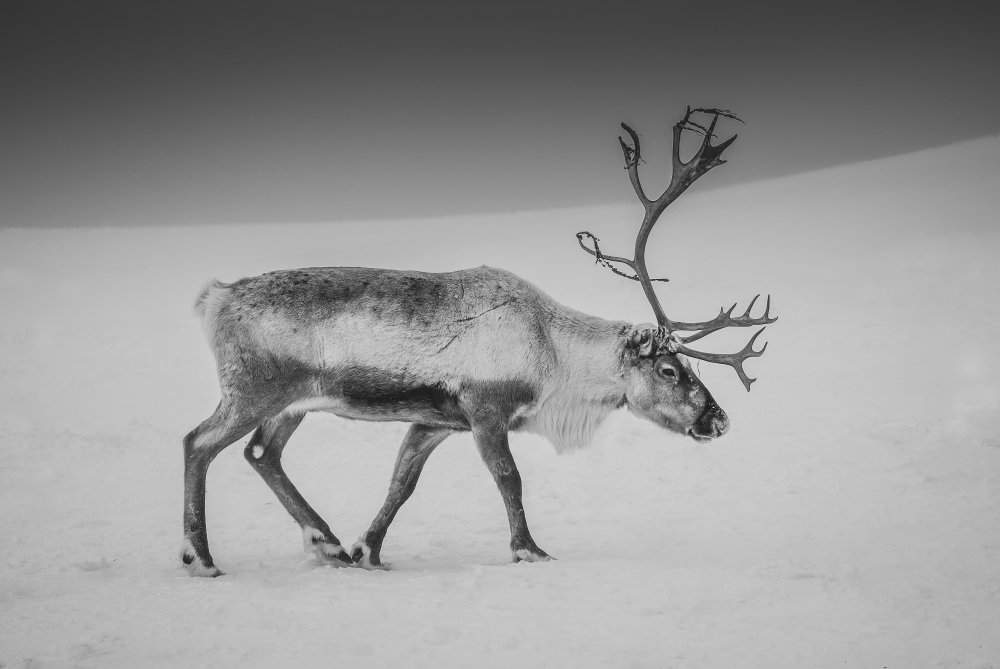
x=140, y=113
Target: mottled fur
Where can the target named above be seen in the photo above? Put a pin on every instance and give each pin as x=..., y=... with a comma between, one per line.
x=394, y=345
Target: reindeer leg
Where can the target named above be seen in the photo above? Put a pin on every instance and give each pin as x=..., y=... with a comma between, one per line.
x=263, y=452
x=230, y=421
x=419, y=443
x=495, y=451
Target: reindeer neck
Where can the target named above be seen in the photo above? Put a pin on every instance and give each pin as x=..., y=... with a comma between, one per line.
x=587, y=384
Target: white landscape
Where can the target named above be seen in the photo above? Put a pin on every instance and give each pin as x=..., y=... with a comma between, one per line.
x=851, y=517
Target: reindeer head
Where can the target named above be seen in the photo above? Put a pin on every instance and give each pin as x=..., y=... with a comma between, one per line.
x=661, y=385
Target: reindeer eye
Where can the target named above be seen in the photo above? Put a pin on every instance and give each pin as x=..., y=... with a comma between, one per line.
x=668, y=372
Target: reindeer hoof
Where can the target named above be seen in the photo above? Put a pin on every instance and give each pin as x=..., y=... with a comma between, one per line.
x=530, y=555
x=204, y=571
x=331, y=554
x=361, y=553
x=323, y=549
x=195, y=566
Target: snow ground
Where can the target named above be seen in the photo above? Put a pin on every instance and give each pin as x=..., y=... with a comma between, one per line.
x=851, y=518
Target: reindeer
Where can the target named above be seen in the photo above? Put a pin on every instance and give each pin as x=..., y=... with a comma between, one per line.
x=477, y=350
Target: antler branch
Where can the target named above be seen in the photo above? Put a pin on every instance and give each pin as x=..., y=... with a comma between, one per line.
x=606, y=260
x=734, y=360
x=725, y=320
x=707, y=157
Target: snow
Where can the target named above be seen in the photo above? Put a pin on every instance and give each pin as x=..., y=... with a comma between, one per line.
x=849, y=519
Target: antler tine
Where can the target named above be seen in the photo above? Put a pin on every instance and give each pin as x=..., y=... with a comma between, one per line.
x=721, y=112
x=711, y=130
x=632, y=158
x=734, y=360
x=679, y=127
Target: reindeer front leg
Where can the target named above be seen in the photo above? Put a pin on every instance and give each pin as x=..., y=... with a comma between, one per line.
x=495, y=451
x=417, y=446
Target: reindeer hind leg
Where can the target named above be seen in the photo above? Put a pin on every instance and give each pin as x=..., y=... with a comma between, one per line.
x=263, y=452
x=230, y=421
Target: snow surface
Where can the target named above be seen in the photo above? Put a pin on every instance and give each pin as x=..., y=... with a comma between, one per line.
x=851, y=518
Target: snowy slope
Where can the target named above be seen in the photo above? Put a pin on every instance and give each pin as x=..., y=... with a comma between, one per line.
x=850, y=518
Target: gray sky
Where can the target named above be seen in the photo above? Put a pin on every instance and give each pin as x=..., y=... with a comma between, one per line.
x=142, y=113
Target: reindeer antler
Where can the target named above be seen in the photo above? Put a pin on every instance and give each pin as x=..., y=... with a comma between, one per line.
x=683, y=175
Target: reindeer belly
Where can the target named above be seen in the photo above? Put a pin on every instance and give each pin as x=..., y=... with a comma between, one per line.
x=370, y=393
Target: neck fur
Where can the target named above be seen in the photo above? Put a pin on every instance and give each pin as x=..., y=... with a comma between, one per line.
x=588, y=382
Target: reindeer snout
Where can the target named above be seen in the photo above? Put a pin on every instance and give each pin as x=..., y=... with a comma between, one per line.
x=712, y=423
